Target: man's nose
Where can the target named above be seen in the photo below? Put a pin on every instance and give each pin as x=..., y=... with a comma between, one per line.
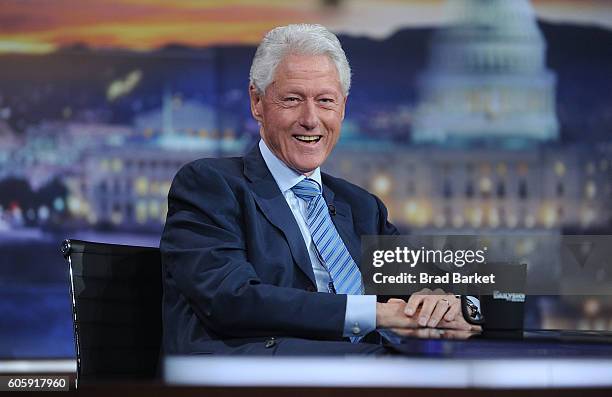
x=309, y=118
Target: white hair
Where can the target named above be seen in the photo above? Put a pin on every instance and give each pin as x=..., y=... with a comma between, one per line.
x=298, y=39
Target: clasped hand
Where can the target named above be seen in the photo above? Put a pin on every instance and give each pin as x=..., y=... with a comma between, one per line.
x=426, y=308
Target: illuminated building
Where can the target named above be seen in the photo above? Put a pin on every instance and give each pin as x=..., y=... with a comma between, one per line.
x=127, y=185
x=486, y=81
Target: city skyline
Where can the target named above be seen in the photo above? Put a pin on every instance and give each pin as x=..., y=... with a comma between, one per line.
x=90, y=139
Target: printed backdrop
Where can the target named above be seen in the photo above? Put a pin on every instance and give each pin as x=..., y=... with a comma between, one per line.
x=464, y=117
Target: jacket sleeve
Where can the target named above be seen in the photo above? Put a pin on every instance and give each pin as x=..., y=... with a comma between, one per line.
x=203, y=250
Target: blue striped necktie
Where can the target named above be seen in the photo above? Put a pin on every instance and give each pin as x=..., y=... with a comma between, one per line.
x=344, y=272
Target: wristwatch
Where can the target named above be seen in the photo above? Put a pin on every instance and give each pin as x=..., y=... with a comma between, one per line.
x=470, y=308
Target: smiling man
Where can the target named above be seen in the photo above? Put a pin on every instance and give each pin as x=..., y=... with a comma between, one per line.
x=261, y=253
x=301, y=114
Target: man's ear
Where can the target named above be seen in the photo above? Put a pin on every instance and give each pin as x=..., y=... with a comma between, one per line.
x=256, y=103
x=344, y=106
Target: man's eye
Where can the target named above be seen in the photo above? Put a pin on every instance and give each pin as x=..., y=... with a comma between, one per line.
x=326, y=100
x=292, y=99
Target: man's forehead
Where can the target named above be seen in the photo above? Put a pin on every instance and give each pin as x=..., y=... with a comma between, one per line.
x=303, y=71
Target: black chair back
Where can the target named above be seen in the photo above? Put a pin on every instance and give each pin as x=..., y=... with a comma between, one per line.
x=116, y=293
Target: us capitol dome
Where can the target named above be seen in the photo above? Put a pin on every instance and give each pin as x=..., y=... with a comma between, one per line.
x=486, y=79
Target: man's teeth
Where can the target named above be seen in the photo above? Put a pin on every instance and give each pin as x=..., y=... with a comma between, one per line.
x=306, y=138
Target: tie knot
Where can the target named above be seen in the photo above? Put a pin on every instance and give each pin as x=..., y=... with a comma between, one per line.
x=306, y=189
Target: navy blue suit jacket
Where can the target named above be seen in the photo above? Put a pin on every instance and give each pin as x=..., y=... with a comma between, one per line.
x=237, y=275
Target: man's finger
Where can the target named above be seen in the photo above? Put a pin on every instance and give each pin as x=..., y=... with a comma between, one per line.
x=396, y=300
x=427, y=309
x=454, y=310
x=413, y=304
x=442, y=306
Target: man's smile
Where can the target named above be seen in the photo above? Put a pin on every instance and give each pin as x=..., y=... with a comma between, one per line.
x=308, y=138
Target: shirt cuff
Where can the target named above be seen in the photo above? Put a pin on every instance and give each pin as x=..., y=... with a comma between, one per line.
x=360, y=316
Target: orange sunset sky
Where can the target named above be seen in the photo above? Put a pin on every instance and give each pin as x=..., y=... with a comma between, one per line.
x=40, y=26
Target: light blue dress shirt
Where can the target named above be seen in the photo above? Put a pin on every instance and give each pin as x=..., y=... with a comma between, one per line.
x=360, y=316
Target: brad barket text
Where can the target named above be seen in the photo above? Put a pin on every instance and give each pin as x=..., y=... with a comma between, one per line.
x=425, y=278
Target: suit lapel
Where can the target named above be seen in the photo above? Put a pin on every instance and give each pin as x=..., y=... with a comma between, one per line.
x=273, y=205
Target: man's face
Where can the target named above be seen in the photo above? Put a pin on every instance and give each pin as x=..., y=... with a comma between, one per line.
x=301, y=111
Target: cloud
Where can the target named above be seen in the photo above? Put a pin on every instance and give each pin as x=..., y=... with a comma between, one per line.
x=42, y=25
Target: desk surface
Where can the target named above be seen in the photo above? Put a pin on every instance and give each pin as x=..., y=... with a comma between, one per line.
x=387, y=372
x=533, y=359
x=503, y=345
x=42, y=366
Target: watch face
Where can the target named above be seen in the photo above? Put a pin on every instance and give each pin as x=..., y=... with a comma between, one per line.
x=470, y=308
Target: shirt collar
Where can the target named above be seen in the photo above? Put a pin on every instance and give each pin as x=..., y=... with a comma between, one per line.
x=285, y=177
